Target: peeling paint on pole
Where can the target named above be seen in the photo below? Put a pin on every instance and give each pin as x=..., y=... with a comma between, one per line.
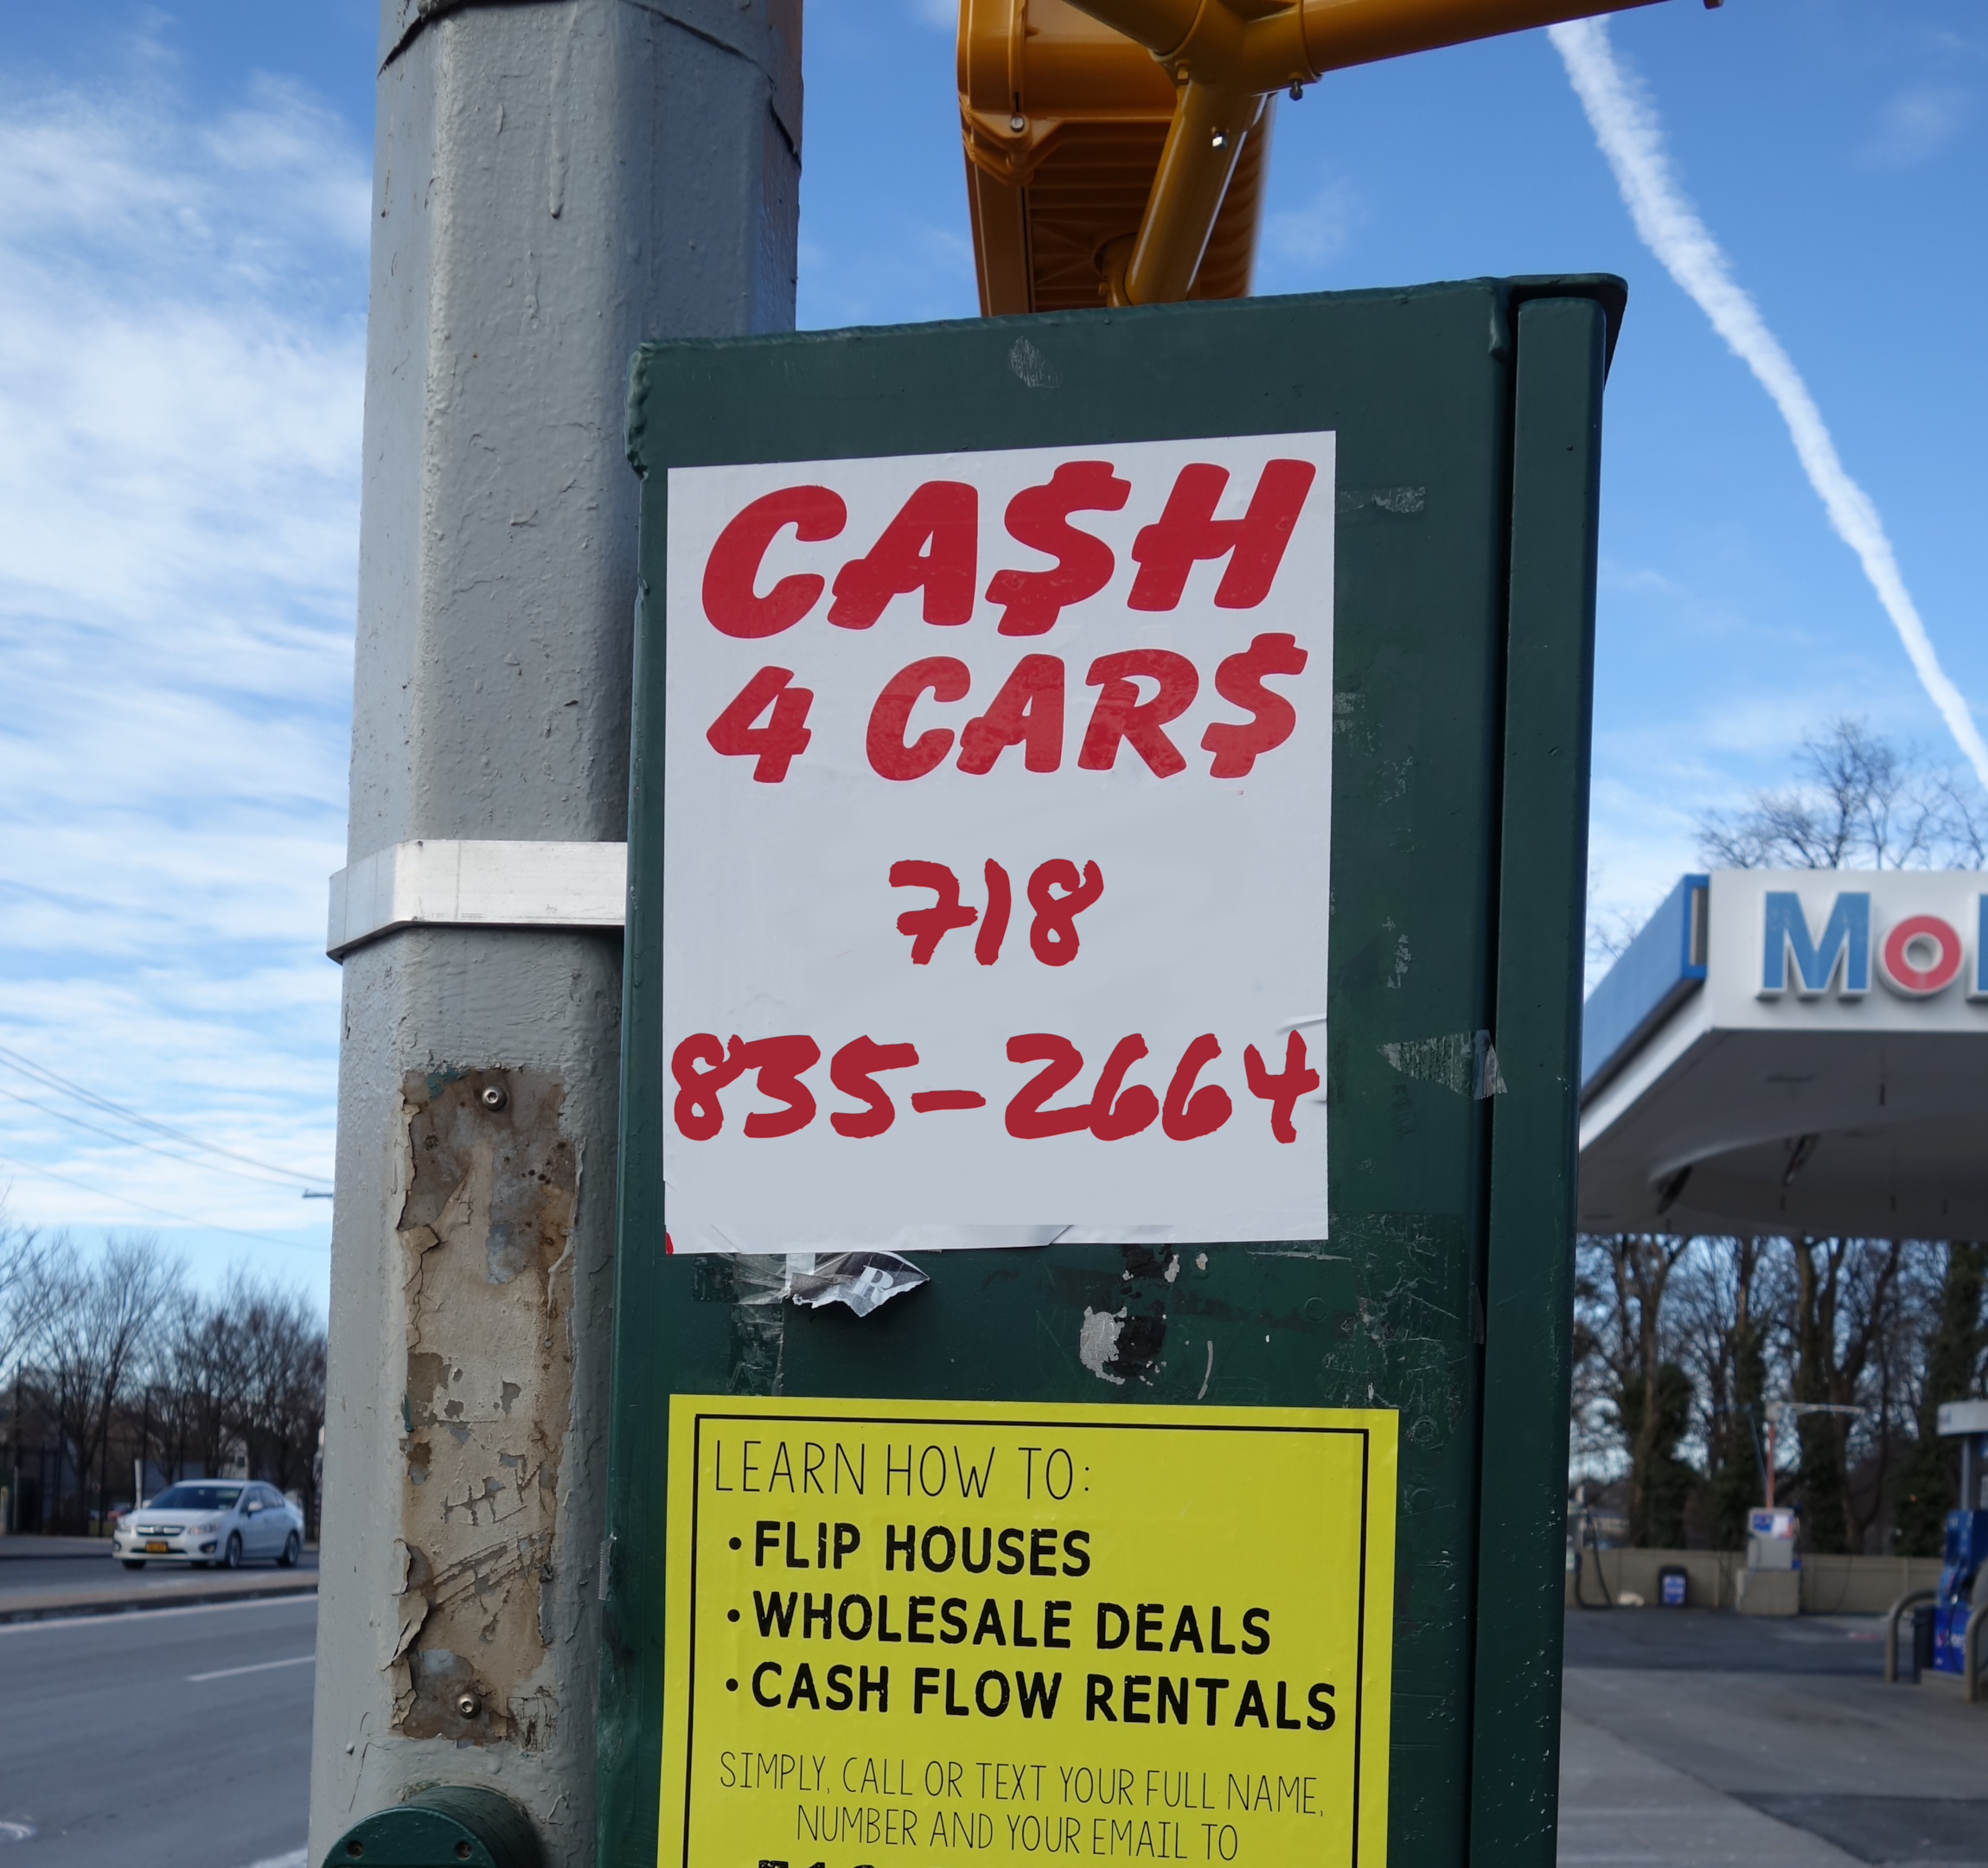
x=485, y=1232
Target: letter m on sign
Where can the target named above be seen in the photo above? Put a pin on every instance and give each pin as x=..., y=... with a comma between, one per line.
x=1844, y=946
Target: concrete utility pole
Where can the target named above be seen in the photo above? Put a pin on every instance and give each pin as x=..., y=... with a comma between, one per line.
x=554, y=182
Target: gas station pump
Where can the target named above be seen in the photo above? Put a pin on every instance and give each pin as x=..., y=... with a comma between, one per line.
x=1966, y=1545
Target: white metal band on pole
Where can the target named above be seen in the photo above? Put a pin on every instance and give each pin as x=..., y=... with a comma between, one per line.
x=483, y=882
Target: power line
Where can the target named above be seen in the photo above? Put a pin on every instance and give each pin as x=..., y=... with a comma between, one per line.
x=27, y=1067
x=160, y=1212
x=111, y=1134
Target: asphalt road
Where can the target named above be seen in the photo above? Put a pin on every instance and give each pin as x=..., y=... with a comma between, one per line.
x=181, y=1738
x=178, y=1738
x=38, y=1565
x=1692, y=1738
x=1695, y=1641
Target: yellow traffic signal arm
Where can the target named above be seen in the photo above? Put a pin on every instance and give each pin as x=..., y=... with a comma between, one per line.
x=1062, y=101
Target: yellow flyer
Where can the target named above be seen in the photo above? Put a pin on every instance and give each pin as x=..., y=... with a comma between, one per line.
x=996, y=1633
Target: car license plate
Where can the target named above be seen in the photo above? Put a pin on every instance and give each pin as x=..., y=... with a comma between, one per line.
x=159, y=1544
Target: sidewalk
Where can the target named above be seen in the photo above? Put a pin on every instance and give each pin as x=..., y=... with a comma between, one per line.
x=43, y=1578
x=32, y=1547
x=1695, y=1739
x=1619, y=1806
x=194, y=1590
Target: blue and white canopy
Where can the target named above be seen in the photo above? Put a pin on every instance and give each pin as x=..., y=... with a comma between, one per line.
x=1798, y=1052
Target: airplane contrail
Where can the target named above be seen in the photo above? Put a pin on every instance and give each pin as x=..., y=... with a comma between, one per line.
x=1632, y=138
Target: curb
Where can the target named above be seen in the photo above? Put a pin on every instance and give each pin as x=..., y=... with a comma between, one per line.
x=45, y=1608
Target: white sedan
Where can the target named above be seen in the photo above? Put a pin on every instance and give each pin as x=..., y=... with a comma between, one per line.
x=203, y=1521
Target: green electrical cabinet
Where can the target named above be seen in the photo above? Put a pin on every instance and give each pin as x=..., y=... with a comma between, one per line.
x=1421, y=468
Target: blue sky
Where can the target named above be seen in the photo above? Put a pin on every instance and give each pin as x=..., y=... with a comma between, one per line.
x=182, y=229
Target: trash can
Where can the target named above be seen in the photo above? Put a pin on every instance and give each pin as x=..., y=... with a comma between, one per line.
x=1922, y=1618
x=1673, y=1586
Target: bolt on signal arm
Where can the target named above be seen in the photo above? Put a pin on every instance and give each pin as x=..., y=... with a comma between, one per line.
x=1058, y=78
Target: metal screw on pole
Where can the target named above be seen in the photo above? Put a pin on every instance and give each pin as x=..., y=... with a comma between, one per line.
x=468, y=1703
x=494, y=1097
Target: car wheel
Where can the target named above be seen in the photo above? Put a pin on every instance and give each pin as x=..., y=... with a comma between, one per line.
x=132, y=1563
x=290, y=1552
x=232, y=1558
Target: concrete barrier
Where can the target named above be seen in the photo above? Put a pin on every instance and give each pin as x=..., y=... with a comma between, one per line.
x=1830, y=1585
x=1769, y=1592
x=1862, y=1585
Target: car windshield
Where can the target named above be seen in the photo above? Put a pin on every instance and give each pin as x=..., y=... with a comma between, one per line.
x=195, y=1498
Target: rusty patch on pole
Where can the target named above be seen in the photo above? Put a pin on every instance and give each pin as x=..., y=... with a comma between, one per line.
x=490, y=1182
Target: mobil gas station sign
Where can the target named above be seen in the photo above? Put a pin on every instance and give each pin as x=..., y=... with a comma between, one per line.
x=1917, y=934
x=997, y=845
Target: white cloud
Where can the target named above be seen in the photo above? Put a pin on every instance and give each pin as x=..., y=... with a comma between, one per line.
x=942, y=16
x=1639, y=577
x=1632, y=138
x=1319, y=233
x=1915, y=125
x=947, y=247
x=181, y=350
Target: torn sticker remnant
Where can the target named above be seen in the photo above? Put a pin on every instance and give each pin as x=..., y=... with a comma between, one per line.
x=1463, y=1062
x=862, y=1280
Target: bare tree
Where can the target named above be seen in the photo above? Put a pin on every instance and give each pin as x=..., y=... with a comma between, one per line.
x=1845, y=1301
x=1883, y=1438
x=1964, y=821
x=1680, y=1344
x=1610, y=929
x=1725, y=1312
x=241, y=1370
x=94, y=1342
x=1859, y=802
x=1622, y=1283
x=124, y=1362
x=281, y=1404
x=27, y=1291
x=208, y=1373
x=1952, y=1340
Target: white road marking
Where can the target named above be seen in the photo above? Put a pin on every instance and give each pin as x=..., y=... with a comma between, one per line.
x=20, y=1832
x=260, y=1666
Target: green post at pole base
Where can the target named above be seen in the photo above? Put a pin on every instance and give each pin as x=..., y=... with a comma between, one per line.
x=444, y=1826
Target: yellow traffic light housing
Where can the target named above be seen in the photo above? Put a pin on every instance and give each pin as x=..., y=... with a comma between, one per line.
x=1116, y=150
x=1065, y=119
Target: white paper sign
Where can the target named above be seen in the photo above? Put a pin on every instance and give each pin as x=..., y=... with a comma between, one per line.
x=997, y=820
